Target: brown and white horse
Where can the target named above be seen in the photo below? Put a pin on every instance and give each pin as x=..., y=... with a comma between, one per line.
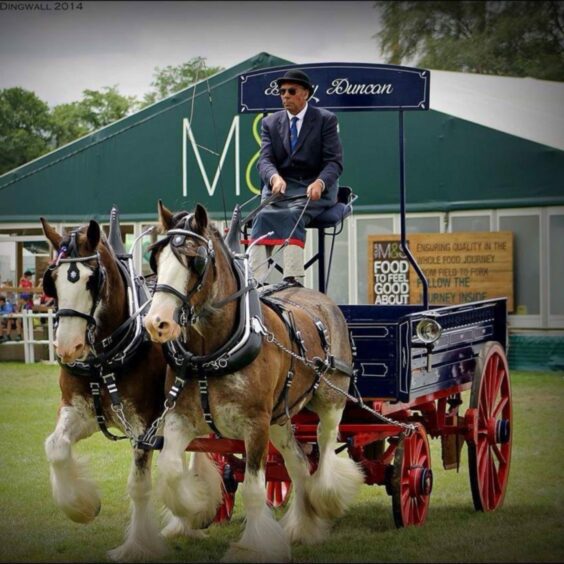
x=92, y=304
x=195, y=272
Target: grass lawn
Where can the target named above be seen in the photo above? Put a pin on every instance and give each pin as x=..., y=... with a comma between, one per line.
x=528, y=528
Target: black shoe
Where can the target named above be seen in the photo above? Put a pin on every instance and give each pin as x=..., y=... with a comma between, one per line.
x=293, y=281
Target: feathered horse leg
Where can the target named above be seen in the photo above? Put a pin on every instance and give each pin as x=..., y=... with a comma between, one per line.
x=263, y=539
x=192, y=493
x=301, y=522
x=142, y=540
x=73, y=491
x=335, y=483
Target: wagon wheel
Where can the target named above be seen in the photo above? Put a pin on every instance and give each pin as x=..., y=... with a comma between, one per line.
x=489, y=443
x=277, y=492
x=412, y=479
x=225, y=510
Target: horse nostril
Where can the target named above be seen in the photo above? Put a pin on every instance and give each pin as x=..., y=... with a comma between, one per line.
x=162, y=326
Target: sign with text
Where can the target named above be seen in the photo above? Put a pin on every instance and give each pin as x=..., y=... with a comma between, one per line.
x=459, y=267
x=341, y=86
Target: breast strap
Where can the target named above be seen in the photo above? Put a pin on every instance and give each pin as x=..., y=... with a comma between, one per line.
x=238, y=352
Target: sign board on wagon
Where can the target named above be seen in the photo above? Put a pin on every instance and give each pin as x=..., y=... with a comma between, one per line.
x=459, y=267
x=341, y=87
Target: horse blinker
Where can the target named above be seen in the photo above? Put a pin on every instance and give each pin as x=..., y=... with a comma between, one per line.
x=201, y=260
x=49, y=284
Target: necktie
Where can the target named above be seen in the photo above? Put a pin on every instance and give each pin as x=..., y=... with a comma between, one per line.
x=294, y=133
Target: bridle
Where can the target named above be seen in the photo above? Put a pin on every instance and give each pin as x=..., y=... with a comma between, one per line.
x=68, y=254
x=205, y=256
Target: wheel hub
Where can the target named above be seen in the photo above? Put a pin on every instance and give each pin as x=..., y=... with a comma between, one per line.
x=420, y=481
x=498, y=430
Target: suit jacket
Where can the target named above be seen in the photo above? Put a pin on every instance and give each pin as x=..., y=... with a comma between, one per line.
x=318, y=154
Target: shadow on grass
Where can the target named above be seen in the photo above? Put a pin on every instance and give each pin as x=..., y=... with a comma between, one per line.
x=517, y=533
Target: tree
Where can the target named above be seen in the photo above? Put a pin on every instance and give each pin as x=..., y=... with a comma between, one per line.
x=96, y=109
x=29, y=129
x=67, y=124
x=511, y=38
x=100, y=108
x=25, y=126
x=171, y=79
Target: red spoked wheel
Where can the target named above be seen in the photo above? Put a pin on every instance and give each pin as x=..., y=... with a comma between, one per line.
x=277, y=491
x=412, y=479
x=225, y=510
x=489, y=438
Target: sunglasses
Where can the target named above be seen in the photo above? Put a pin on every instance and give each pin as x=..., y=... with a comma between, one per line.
x=290, y=91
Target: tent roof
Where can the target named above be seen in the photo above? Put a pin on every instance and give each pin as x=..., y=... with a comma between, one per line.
x=526, y=107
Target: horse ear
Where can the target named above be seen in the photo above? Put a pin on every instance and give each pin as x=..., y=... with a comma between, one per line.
x=201, y=217
x=93, y=234
x=52, y=236
x=165, y=216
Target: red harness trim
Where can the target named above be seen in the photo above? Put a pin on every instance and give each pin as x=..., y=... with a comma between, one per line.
x=273, y=242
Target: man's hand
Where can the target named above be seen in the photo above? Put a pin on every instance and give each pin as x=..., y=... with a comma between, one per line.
x=314, y=190
x=278, y=184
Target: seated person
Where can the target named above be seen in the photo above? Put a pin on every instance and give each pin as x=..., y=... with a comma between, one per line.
x=7, y=322
x=300, y=155
x=7, y=289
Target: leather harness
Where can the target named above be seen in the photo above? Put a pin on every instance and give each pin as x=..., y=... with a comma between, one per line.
x=244, y=345
x=113, y=354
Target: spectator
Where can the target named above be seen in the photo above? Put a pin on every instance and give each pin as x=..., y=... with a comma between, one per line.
x=8, y=323
x=7, y=289
x=25, y=297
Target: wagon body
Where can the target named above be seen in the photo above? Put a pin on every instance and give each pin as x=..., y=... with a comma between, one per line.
x=391, y=361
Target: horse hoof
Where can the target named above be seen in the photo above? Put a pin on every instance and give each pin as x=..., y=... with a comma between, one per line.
x=177, y=527
x=82, y=516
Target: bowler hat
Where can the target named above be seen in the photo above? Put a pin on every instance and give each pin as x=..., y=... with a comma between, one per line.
x=297, y=76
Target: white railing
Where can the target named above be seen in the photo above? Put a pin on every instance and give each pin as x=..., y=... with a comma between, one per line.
x=29, y=341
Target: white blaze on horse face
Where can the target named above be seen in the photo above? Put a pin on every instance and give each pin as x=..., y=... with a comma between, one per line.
x=70, y=339
x=160, y=319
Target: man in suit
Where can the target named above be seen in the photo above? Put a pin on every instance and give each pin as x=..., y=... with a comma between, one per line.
x=299, y=159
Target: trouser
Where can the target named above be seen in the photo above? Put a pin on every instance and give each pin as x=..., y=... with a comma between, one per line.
x=293, y=258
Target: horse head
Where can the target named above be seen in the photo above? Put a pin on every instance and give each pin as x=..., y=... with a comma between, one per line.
x=77, y=282
x=185, y=263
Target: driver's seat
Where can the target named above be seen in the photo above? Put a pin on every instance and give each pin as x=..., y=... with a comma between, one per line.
x=331, y=217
